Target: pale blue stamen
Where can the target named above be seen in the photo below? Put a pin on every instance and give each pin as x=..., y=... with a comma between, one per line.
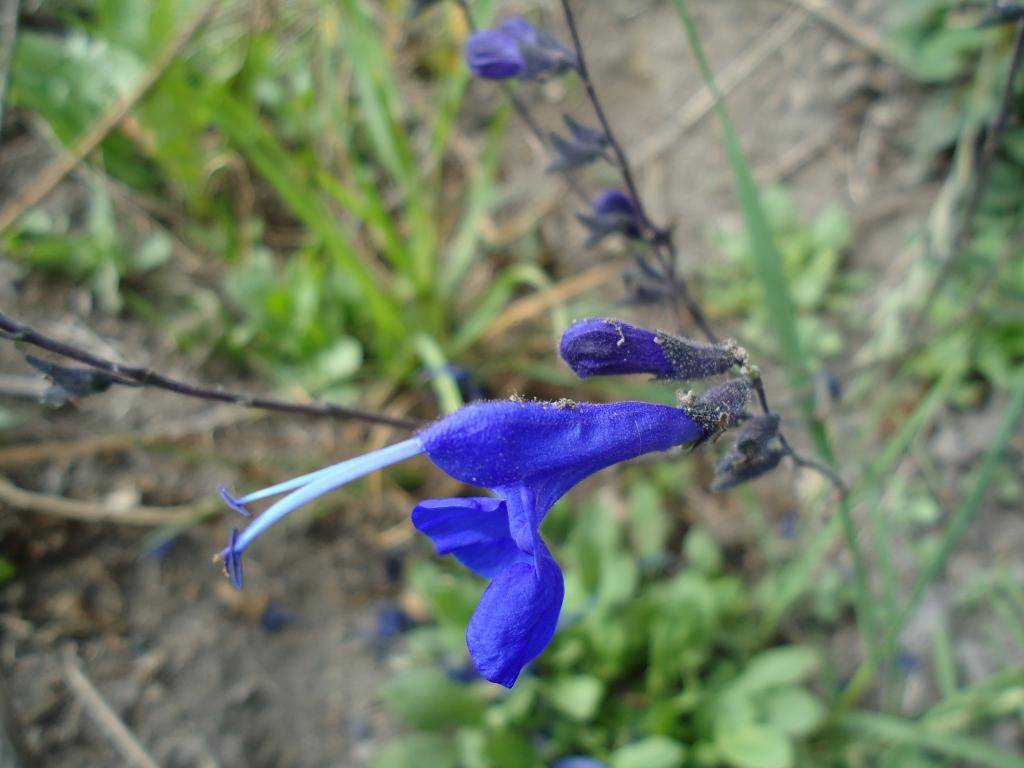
x=322, y=482
x=290, y=485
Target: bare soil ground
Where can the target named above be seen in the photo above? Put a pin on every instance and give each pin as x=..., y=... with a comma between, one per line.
x=194, y=671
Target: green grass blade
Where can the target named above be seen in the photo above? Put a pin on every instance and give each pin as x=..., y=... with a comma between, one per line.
x=480, y=198
x=382, y=114
x=453, y=86
x=446, y=389
x=892, y=730
x=968, y=509
x=958, y=525
x=796, y=580
x=365, y=204
x=500, y=293
x=944, y=662
x=781, y=312
x=246, y=131
x=767, y=261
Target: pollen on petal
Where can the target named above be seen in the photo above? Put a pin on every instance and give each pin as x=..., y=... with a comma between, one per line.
x=721, y=406
x=599, y=347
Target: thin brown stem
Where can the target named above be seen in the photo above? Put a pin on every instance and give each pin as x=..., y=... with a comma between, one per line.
x=658, y=239
x=799, y=459
x=618, y=152
x=146, y=377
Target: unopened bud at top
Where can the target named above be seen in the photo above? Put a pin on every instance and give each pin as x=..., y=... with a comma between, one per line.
x=518, y=50
x=598, y=347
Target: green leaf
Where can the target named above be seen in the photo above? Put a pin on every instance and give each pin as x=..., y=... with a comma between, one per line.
x=778, y=667
x=153, y=252
x=338, y=362
x=417, y=750
x=446, y=389
x=428, y=699
x=754, y=746
x=653, y=752
x=649, y=526
x=507, y=749
x=70, y=80
x=577, y=697
x=7, y=418
x=793, y=711
x=893, y=730
x=619, y=579
x=702, y=552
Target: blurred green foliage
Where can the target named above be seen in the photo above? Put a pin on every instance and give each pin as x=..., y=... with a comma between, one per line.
x=306, y=158
x=657, y=661
x=811, y=254
x=305, y=127
x=663, y=658
x=978, y=317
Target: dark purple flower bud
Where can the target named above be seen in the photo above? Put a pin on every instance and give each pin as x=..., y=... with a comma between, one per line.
x=516, y=49
x=584, y=146
x=735, y=469
x=613, y=212
x=70, y=383
x=720, y=407
x=470, y=387
x=599, y=347
x=756, y=433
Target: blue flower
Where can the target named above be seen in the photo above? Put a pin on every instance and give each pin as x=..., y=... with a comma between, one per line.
x=528, y=455
x=599, y=347
x=516, y=49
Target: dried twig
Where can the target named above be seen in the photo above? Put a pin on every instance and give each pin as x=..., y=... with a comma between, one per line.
x=146, y=377
x=98, y=512
x=530, y=306
x=82, y=688
x=95, y=445
x=853, y=30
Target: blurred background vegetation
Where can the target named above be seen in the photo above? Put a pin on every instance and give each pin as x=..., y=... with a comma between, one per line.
x=314, y=220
